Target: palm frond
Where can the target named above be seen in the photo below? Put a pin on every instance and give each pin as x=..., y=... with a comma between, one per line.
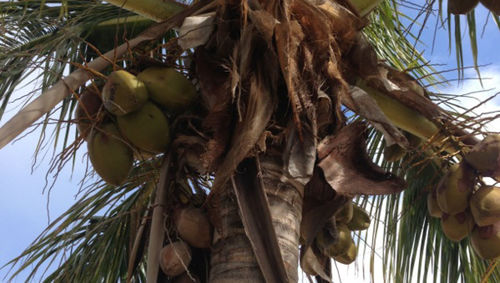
x=48, y=39
x=93, y=239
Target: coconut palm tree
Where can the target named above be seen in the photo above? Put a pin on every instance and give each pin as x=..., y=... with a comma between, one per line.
x=298, y=99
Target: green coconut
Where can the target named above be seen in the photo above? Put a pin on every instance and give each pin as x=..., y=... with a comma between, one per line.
x=342, y=242
x=123, y=93
x=457, y=227
x=147, y=128
x=432, y=205
x=486, y=241
x=87, y=110
x=168, y=88
x=492, y=5
x=111, y=158
x=485, y=205
x=350, y=254
x=455, y=189
x=485, y=156
x=344, y=215
x=360, y=219
x=458, y=7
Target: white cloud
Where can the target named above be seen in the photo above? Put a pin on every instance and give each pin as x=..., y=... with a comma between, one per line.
x=473, y=93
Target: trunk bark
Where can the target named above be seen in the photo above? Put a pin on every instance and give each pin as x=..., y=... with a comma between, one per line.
x=232, y=257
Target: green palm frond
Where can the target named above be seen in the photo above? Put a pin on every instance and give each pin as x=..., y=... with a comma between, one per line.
x=45, y=39
x=93, y=239
x=413, y=246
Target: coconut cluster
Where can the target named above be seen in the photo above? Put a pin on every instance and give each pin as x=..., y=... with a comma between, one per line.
x=467, y=211
x=335, y=239
x=194, y=233
x=127, y=120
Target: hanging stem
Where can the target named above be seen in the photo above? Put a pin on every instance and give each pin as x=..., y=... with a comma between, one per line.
x=157, y=233
x=410, y=120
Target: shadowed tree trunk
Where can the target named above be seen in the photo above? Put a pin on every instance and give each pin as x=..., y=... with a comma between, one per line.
x=233, y=259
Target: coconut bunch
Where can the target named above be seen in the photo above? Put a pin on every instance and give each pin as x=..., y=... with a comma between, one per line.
x=180, y=259
x=466, y=211
x=335, y=239
x=127, y=119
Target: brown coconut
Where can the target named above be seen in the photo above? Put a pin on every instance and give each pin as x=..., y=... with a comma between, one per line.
x=457, y=227
x=492, y=5
x=193, y=226
x=87, y=110
x=486, y=241
x=485, y=156
x=175, y=258
x=432, y=205
x=458, y=7
x=360, y=219
x=455, y=189
x=349, y=256
x=123, y=93
x=485, y=205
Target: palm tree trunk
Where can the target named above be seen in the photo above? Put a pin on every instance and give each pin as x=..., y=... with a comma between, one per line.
x=232, y=257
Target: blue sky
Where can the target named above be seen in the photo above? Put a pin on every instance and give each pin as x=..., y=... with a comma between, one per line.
x=23, y=206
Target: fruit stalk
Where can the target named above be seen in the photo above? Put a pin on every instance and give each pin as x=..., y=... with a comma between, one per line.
x=407, y=119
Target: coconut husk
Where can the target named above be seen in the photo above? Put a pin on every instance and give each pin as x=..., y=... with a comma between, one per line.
x=88, y=109
x=486, y=241
x=485, y=205
x=111, y=158
x=193, y=226
x=175, y=258
x=123, y=93
x=147, y=128
x=360, y=219
x=458, y=7
x=349, y=256
x=455, y=189
x=341, y=244
x=345, y=214
x=485, y=156
x=169, y=88
x=457, y=227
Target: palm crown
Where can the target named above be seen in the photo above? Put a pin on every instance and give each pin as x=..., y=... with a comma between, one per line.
x=299, y=89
